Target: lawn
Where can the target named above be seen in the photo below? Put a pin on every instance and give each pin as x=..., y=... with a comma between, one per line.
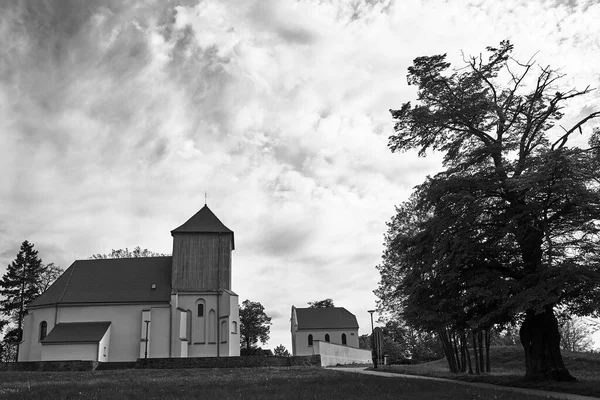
x=242, y=383
x=508, y=369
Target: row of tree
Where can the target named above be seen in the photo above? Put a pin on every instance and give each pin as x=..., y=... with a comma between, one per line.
x=508, y=233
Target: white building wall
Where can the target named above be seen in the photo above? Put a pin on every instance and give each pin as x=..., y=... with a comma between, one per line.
x=104, y=347
x=334, y=354
x=63, y=352
x=31, y=348
x=205, y=335
x=300, y=338
x=125, y=332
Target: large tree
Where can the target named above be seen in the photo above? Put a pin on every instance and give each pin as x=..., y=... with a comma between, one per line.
x=255, y=325
x=510, y=226
x=20, y=285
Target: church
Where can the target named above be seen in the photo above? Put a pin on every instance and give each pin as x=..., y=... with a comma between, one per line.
x=123, y=309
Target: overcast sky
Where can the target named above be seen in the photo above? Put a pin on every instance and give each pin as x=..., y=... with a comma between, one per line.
x=115, y=119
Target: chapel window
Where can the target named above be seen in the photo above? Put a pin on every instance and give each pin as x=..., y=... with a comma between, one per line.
x=201, y=310
x=327, y=337
x=344, y=338
x=43, y=330
x=310, y=340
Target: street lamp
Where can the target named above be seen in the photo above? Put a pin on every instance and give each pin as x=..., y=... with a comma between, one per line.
x=372, y=336
x=146, y=350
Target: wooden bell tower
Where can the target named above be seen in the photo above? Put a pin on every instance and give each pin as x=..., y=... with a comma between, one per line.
x=201, y=254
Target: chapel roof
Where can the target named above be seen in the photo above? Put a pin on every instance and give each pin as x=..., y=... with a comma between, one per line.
x=325, y=318
x=116, y=280
x=82, y=332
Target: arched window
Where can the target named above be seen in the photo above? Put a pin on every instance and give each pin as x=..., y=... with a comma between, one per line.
x=199, y=323
x=327, y=337
x=224, y=333
x=43, y=330
x=234, y=327
x=310, y=340
x=344, y=338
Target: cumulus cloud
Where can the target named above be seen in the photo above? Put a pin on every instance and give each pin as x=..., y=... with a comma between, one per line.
x=116, y=117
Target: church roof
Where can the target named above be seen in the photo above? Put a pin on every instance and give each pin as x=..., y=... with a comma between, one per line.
x=81, y=332
x=325, y=318
x=204, y=221
x=117, y=280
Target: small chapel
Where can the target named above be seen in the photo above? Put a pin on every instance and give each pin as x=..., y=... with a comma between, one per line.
x=122, y=309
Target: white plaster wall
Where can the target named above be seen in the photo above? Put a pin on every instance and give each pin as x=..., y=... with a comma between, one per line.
x=234, y=316
x=335, y=336
x=125, y=327
x=30, y=348
x=104, y=346
x=334, y=354
x=61, y=352
x=199, y=345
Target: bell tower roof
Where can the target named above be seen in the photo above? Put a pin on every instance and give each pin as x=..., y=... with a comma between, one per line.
x=204, y=221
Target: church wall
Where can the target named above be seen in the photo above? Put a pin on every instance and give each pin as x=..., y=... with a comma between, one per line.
x=234, y=326
x=31, y=347
x=204, y=338
x=335, y=336
x=126, y=333
x=201, y=262
x=78, y=351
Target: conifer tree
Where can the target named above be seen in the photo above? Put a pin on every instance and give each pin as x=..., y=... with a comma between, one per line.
x=20, y=285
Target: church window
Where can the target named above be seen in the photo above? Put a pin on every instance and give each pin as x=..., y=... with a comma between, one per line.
x=224, y=333
x=310, y=340
x=43, y=330
x=327, y=337
x=234, y=327
x=344, y=338
x=201, y=310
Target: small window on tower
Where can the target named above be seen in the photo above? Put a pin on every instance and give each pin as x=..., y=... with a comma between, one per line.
x=201, y=310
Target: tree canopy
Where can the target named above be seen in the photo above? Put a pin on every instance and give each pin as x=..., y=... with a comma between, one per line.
x=327, y=303
x=255, y=324
x=126, y=253
x=510, y=226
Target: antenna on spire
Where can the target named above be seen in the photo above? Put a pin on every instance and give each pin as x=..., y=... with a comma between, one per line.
x=205, y=198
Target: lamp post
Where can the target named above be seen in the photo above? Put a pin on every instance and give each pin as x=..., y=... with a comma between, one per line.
x=372, y=336
x=146, y=349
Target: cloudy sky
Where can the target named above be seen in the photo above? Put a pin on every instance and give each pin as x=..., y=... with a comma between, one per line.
x=116, y=117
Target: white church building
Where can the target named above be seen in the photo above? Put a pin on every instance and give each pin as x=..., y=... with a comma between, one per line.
x=130, y=308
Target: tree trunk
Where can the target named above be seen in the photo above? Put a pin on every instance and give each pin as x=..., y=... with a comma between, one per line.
x=481, y=355
x=541, y=342
x=448, y=351
x=463, y=354
x=488, y=336
x=466, y=342
x=475, y=356
x=455, y=346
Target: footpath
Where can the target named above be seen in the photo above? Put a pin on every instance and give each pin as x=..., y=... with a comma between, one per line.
x=554, y=395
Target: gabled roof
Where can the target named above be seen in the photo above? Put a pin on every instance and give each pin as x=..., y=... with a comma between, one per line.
x=115, y=280
x=204, y=221
x=325, y=318
x=77, y=332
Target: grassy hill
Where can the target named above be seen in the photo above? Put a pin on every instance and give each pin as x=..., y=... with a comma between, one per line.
x=508, y=369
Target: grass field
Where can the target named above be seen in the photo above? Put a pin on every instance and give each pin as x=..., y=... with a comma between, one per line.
x=242, y=383
x=508, y=369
